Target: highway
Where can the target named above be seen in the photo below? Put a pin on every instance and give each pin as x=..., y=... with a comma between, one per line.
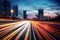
x=30, y=30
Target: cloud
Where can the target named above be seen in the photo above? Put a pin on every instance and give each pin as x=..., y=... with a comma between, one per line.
x=36, y=4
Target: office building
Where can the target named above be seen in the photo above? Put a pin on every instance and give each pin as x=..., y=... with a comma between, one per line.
x=24, y=14
x=1, y=8
x=40, y=14
x=15, y=8
x=6, y=8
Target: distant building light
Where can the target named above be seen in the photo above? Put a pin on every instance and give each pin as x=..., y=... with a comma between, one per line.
x=12, y=11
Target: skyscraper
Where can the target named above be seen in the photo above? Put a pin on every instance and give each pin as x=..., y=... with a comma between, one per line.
x=1, y=8
x=24, y=14
x=7, y=8
x=15, y=8
x=40, y=14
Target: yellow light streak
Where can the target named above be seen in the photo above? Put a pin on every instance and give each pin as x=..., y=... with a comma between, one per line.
x=26, y=36
x=19, y=35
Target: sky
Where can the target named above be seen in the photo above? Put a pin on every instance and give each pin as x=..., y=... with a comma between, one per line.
x=36, y=4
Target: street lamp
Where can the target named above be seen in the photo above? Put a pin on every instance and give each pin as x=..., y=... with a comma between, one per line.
x=12, y=11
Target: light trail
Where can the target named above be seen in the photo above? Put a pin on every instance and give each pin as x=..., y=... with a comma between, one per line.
x=54, y=23
x=34, y=33
x=37, y=33
x=13, y=33
x=26, y=36
x=47, y=26
x=9, y=24
x=19, y=35
x=44, y=33
x=30, y=30
x=50, y=29
x=7, y=27
x=42, y=28
x=10, y=29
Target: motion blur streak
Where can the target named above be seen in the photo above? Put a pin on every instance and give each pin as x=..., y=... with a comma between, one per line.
x=42, y=31
x=19, y=35
x=37, y=33
x=13, y=33
x=26, y=36
x=7, y=25
x=30, y=30
x=43, y=28
x=34, y=34
x=10, y=29
x=50, y=29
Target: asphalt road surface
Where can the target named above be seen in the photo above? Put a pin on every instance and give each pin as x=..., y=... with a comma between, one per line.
x=30, y=30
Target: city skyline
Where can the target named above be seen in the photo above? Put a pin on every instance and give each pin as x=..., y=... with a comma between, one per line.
x=36, y=4
x=50, y=11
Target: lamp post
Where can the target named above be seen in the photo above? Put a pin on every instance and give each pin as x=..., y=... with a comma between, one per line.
x=11, y=11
